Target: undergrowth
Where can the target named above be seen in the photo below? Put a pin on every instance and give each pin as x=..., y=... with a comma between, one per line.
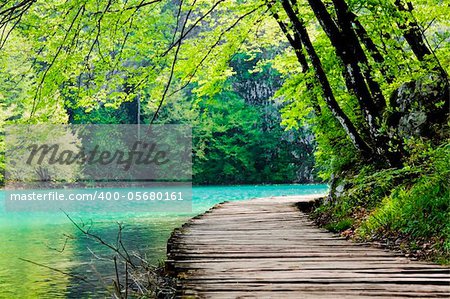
x=406, y=208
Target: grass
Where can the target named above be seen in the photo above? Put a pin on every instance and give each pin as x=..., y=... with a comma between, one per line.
x=340, y=225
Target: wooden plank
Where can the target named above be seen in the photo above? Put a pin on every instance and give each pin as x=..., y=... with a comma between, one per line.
x=310, y=287
x=266, y=248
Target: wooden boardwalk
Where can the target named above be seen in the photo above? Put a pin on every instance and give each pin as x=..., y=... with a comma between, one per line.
x=267, y=248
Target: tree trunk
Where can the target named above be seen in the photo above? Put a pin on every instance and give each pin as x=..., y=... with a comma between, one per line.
x=345, y=18
x=416, y=40
x=349, y=50
x=412, y=33
x=348, y=54
x=329, y=98
x=370, y=45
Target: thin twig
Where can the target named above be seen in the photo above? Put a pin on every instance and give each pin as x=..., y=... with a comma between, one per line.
x=100, y=240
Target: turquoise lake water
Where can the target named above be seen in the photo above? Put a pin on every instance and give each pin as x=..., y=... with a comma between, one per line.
x=40, y=237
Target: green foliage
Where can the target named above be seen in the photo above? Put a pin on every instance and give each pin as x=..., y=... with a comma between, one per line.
x=419, y=210
x=126, y=113
x=340, y=225
x=411, y=204
x=237, y=136
x=226, y=141
x=232, y=144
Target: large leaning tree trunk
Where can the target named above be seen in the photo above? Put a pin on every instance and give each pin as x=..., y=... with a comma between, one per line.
x=303, y=38
x=357, y=70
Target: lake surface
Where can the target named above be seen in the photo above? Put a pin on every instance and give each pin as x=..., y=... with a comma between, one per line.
x=40, y=237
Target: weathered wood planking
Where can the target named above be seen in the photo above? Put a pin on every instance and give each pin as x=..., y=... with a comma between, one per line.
x=267, y=248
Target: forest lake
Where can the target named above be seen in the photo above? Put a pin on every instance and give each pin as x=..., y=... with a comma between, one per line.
x=41, y=237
